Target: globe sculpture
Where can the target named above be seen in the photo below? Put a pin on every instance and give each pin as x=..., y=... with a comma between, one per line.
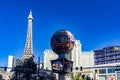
x=62, y=42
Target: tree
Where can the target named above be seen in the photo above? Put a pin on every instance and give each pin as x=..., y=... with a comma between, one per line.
x=30, y=68
x=25, y=70
x=72, y=76
x=76, y=77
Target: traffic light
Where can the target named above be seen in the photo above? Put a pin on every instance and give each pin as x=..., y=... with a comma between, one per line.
x=76, y=68
x=5, y=68
x=81, y=68
x=71, y=69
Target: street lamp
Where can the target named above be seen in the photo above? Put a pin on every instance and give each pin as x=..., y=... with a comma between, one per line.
x=38, y=68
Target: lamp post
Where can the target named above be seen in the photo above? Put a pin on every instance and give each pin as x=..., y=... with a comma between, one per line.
x=38, y=68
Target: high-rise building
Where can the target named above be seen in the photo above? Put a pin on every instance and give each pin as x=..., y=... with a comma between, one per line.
x=82, y=59
x=105, y=57
x=13, y=62
x=76, y=54
x=87, y=58
x=28, y=52
x=88, y=61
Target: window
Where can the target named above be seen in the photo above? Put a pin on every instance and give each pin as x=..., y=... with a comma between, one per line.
x=111, y=70
x=102, y=71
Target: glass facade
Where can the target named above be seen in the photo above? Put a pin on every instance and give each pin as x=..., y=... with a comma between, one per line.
x=102, y=71
x=106, y=73
x=111, y=70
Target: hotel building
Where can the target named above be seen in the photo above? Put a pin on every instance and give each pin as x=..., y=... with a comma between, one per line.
x=104, y=58
x=79, y=58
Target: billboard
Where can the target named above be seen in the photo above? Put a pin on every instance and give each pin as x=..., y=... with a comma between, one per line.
x=111, y=77
x=61, y=65
x=67, y=66
x=57, y=66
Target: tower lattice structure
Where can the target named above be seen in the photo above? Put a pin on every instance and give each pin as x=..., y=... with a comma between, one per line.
x=28, y=51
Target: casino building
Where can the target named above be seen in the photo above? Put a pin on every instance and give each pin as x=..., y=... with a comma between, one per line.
x=49, y=55
x=79, y=58
x=108, y=56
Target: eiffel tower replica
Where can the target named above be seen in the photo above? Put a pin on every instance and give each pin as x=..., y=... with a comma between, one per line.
x=28, y=67
x=28, y=51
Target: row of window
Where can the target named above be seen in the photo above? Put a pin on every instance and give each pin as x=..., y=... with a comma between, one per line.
x=108, y=53
x=107, y=57
x=104, y=71
x=106, y=50
x=106, y=62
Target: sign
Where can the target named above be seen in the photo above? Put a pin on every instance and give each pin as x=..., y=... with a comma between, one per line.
x=61, y=65
x=112, y=77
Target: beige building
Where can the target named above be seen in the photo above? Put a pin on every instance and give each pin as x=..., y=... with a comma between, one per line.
x=88, y=58
x=48, y=56
x=82, y=58
x=76, y=55
x=79, y=58
x=88, y=61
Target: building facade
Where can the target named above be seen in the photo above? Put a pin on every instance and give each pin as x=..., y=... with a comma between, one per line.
x=88, y=61
x=76, y=55
x=48, y=56
x=88, y=58
x=104, y=59
x=13, y=62
x=107, y=55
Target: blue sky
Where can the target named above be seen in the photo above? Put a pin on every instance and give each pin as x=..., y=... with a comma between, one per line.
x=96, y=23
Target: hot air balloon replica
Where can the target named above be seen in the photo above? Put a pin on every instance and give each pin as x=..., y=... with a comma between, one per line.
x=62, y=43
